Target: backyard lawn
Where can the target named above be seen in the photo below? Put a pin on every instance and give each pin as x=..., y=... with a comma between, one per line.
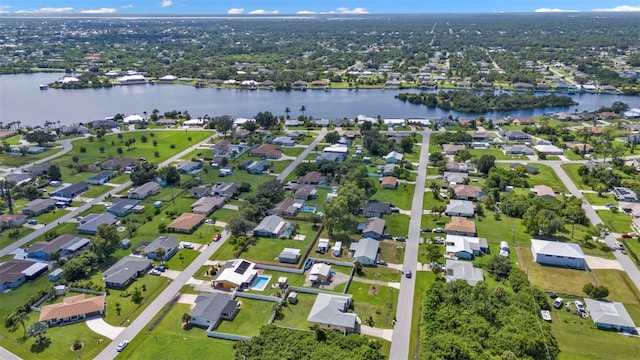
x=375, y=301
x=247, y=322
x=401, y=197
x=130, y=310
x=392, y=252
x=397, y=224
x=169, y=341
x=182, y=259
x=295, y=315
x=267, y=249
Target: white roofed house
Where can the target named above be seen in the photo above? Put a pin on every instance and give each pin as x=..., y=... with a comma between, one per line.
x=365, y=251
x=237, y=273
x=330, y=311
x=465, y=247
x=557, y=254
x=610, y=316
x=463, y=270
x=273, y=226
x=320, y=273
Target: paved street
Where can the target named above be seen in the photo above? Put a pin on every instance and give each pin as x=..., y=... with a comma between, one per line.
x=283, y=175
x=402, y=332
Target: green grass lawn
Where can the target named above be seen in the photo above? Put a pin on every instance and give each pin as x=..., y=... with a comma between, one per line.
x=620, y=286
x=8, y=237
x=569, y=154
x=130, y=310
x=169, y=341
x=397, y=224
x=252, y=315
x=295, y=315
x=594, y=199
x=401, y=197
x=96, y=190
x=376, y=301
x=292, y=151
x=13, y=140
x=51, y=216
x=182, y=259
x=548, y=177
x=392, y=252
x=572, y=172
x=224, y=214
x=380, y=273
x=225, y=252
x=266, y=249
x=495, y=152
x=19, y=160
x=618, y=222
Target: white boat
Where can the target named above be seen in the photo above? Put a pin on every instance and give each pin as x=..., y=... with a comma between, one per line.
x=546, y=315
x=44, y=86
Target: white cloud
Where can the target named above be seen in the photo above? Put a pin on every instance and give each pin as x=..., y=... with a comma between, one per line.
x=4, y=9
x=554, y=10
x=99, y=11
x=47, y=10
x=235, y=11
x=126, y=6
x=166, y=3
x=358, y=10
x=263, y=12
x=621, y=8
x=306, y=12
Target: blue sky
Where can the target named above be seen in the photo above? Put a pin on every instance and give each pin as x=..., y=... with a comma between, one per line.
x=282, y=7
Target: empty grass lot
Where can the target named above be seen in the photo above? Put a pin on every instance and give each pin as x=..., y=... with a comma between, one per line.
x=19, y=160
x=618, y=222
x=8, y=237
x=397, y=224
x=572, y=172
x=376, y=301
x=169, y=341
x=400, y=197
x=379, y=273
x=594, y=199
x=252, y=315
x=130, y=310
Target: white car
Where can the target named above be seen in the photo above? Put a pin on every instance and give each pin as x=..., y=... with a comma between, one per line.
x=122, y=345
x=579, y=305
x=619, y=245
x=155, y=272
x=187, y=245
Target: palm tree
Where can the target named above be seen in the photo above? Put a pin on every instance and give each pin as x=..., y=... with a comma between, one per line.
x=287, y=111
x=186, y=319
x=302, y=110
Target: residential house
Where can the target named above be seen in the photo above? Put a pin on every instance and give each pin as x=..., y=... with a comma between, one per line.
x=73, y=309
x=461, y=226
x=145, y=190
x=375, y=208
x=320, y=273
x=630, y=208
x=389, y=182
x=365, y=251
x=452, y=149
x=518, y=150
x=108, y=124
x=467, y=192
x=71, y=191
x=330, y=157
x=304, y=192
x=101, y=178
x=463, y=270
x=12, y=220
x=288, y=206
x=389, y=170
x=528, y=168
x=39, y=206
x=336, y=149
x=465, y=247
x=169, y=245
x=89, y=224
x=38, y=170
x=19, y=179
x=226, y=189
x=14, y=272
x=460, y=208
x=523, y=121
x=118, y=164
x=289, y=256
x=455, y=177
x=74, y=129
x=66, y=245
x=258, y=167
x=624, y=194
x=557, y=254
x=464, y=167
x=312, y=178
x=123, y=207
x=189, y=167
x=548, y=149
x=515, y=135
x=186, y=223
x=273, y=226
x=393, y=157
x=284, y=141
x=207, y=205
x=199, y=191
x=544, y=192
x=127, y=269
x=211, y=308
x=267, y=151
x=482, y=136
x=610, y=316
x=238, y=273
x=330, y=311
x=373, y=228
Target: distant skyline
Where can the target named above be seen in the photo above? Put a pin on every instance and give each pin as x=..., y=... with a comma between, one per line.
x=288, y=7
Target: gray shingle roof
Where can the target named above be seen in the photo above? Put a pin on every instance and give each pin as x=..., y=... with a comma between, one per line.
x=331, y=309
x=124, y=269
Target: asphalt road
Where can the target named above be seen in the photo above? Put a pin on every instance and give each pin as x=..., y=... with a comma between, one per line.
x=88, y=205
x=402, y=332
x=283, y=175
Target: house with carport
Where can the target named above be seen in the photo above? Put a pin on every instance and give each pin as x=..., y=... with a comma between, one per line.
x=145, y=190
x=39, y=206
x=168, y=244
x=465, y=247
x=66, y=245
x=127, y=269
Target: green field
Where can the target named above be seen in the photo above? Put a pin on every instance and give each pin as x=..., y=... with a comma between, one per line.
x=295, y=315
x=572, y=172
x=19, y=160
x=594, y=199
x=247, y=322
x=375, y=301
x=618, y=222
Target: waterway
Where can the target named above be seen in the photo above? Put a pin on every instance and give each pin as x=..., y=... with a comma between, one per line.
x=22, y=100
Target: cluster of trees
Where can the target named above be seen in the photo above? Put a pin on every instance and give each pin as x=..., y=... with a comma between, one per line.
x=275, y=343
x=40, y=137
x=595, y=291
x=457, y=137
x=544, y=216
x=378, y=144
x=464, y=322
x=464, y=101
x=600, y=178
x=253, y=208
x=143, y=172
x=85, y=80
x=499, y=178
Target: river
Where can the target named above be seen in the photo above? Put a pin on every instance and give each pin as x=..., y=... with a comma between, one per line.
x=22, y=100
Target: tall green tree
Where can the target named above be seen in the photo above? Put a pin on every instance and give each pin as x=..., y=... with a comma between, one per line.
x=143, y=172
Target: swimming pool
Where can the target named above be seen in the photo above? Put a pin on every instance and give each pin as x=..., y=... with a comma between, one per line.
x=261, y=283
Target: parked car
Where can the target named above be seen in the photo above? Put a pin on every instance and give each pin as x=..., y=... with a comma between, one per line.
x=553, y=295
x=558, y=303
x=408, y=274
x=619, y=245
x=122, y=345
x=579, y=306
x=438, y=230
x=154, y=272
x=161, y=268
x=217, y=237
x=401, y=238
x=628, y=236
x=426, y=230
x=382, y=262
x=187, y=245
x=438, y=240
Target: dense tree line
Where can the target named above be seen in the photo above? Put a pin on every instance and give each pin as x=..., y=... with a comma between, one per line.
x=461, y=322
x=464, y=101
x=275, y=343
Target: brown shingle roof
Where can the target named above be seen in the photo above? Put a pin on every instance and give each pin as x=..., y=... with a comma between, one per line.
x=461, y=224
x=389, y=180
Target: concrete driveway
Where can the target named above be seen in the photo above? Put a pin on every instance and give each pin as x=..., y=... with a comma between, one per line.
x=386, y=334
x=99, y=326
x=595, y=262
x=171, y=274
